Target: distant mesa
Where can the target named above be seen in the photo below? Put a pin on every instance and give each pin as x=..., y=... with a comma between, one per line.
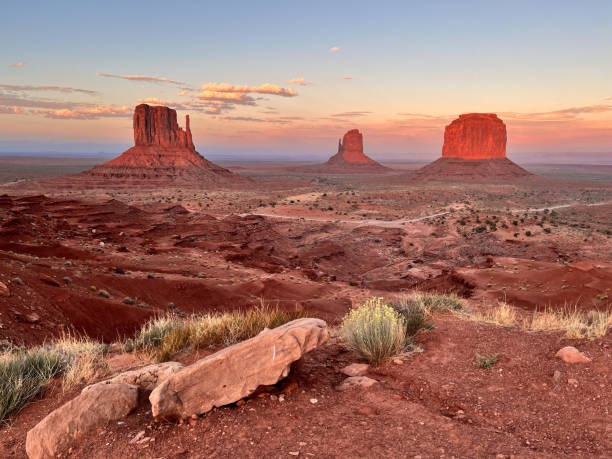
x=474, y=149
x=349, y=159
x=163, y=154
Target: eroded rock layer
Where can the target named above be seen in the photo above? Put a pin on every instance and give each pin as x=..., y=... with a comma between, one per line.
x=475, y=136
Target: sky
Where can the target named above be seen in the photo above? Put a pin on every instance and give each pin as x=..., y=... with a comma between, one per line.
x=285, y=80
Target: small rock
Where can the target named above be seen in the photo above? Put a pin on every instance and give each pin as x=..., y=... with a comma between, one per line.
x=356, y=381
x=294, y=453
x=570, y=354
x=68, y=264
x=137, y=437
x=572, y=381
x=32, y=318
x=104, y=294
x=314, y=401
x=398, y=362
x=4, y=290
x=557, y=377
x=67, y=280
x=356, y=369
x=128, y=300
x=367, y=411
x=49, y=280
x=17, y=280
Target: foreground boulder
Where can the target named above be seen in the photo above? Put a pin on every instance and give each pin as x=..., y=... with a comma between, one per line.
x=569, y=354
x=236, y=371
x=91, y=409
x=145, y=378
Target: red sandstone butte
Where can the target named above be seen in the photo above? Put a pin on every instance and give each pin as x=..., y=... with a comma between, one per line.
x=474, y=149
x=350, y=157
x=163, y=153
x=475, y=136
x=351, y=148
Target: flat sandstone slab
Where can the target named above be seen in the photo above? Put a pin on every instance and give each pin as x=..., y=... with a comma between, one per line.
x=236, y=371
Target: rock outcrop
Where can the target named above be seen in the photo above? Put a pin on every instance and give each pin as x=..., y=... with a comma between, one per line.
x=475, y=136
x=93, y=408
x=236, y=371
x=474, y=149
x=349, y=159
x=163, y=154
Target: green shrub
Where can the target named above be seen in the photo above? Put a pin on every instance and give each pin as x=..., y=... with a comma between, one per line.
x=412, y=311
x=486, y=362
x=375, y=331
x=25, y=373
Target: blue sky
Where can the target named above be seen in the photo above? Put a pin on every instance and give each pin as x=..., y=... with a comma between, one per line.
x=402, y=71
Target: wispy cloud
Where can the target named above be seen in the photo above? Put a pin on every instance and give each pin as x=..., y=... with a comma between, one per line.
x=265, y=88
x=258, y=120
x=334, y=49
x=64, y=89
x=140, y=78
x=558, y=115
x=347, y=77
x=300, y=81
x=18, y=64
x=351, y=114
x=103, y=111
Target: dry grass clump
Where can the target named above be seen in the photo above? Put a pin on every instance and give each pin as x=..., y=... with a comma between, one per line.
x=83, y=359
x=374, y=330
x=416, y=308
x=24, y=373
x=577, y=324
x=165, y=336
x=502, y=314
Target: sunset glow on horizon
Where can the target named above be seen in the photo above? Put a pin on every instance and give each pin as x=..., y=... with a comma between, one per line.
x=289, y=81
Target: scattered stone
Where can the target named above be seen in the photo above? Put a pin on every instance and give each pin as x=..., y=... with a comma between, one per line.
x=367, y=411
x=67, y=424
x=49, y=280
x=118, y=270
x=137, y=437
x=17, y=280
x=236, y=371
x=67, y=280
x=356, y=381
x=32, y=318
x=128, y=300
x=314, y=401
x=572, y=381
x=398, y=361
x=104, y=294
x=356, y=369
x=4, y=290
x=145, y=378
x=68, y=264
x=570, y=354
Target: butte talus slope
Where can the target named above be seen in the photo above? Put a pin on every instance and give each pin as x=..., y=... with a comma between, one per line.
x=163, y=154
x=474, y=149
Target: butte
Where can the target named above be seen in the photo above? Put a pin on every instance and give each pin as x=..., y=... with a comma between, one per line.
x=163, y=155
x=349, y=159
x=474, y=149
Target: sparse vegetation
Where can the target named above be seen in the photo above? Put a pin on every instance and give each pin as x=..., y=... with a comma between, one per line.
x=375, y=331
x=502, y=314
x=165, y=336
x=577, y=324
x=486, y=362
x=24, y=373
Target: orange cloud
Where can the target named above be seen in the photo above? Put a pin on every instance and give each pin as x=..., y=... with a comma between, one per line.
x=11, y=111
x=266, y=88
x=334, y=49
x=18, y=65
x=104, y=111
x=184, y=92
x=300, y=81
x=140, y=78
x=347, y=77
